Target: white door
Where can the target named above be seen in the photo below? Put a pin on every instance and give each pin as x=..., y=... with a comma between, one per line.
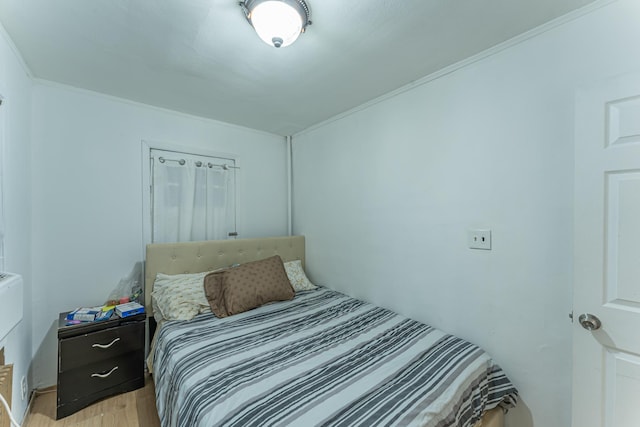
x=606, y=360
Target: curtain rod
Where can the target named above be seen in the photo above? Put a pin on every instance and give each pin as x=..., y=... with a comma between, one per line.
x=198, y=163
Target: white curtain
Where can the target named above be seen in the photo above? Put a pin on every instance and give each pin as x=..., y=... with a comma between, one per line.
x=194, y=200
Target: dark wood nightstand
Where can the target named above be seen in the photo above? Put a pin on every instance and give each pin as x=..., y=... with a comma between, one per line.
x=98, y=359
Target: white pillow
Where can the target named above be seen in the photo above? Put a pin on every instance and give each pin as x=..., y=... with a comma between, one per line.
x=296, y=276
x=179, y=296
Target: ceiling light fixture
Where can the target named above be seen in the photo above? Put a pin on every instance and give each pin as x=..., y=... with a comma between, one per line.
x=277, y=22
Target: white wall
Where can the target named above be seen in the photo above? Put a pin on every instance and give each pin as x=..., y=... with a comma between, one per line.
x=15, y=88
x=87, y=195
x=385, y=195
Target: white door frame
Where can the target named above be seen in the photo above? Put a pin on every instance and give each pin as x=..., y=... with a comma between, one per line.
x=147, y=146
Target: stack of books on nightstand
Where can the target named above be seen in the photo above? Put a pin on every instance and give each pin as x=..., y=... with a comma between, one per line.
x=91, y=314
x=129, y=309
x=96, y=314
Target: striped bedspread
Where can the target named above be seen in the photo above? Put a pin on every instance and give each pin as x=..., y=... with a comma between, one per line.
x=322, y=359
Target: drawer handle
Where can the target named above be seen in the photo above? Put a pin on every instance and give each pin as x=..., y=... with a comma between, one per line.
x=104, y=375
x=106, y=345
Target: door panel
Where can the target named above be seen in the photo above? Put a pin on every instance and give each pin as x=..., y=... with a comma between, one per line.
x=623, y=235
x=622, y=389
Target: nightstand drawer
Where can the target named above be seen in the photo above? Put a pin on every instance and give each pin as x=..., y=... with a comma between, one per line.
x=90, y=379
x=88, y=349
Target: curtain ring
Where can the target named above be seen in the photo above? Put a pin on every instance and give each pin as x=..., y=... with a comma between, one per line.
x=198, y=163
x=161, y=159
x=182, y=162
x=210, y=165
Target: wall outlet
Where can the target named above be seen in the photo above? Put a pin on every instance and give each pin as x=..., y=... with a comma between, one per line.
x=24, y=386
x=479, y=239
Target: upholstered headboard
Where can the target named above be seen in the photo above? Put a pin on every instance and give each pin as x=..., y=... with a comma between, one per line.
x=196, y=257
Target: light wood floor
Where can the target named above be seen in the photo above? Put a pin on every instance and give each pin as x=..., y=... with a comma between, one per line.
x=134, y=409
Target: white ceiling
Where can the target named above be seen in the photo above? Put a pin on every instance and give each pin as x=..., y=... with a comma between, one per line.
x=202, y=57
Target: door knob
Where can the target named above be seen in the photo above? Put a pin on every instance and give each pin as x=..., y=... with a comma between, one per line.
x=589, y=322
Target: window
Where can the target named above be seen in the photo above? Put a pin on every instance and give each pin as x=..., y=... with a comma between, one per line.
x=192, y=197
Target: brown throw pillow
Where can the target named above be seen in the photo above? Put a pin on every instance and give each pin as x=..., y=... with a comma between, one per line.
x=250, y=285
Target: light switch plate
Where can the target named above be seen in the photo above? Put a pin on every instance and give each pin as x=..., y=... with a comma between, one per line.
x=479, y=239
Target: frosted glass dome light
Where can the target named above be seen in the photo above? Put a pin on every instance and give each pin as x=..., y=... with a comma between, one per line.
x=277, y=22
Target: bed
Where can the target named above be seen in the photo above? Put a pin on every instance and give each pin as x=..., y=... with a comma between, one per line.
x=321, y=358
